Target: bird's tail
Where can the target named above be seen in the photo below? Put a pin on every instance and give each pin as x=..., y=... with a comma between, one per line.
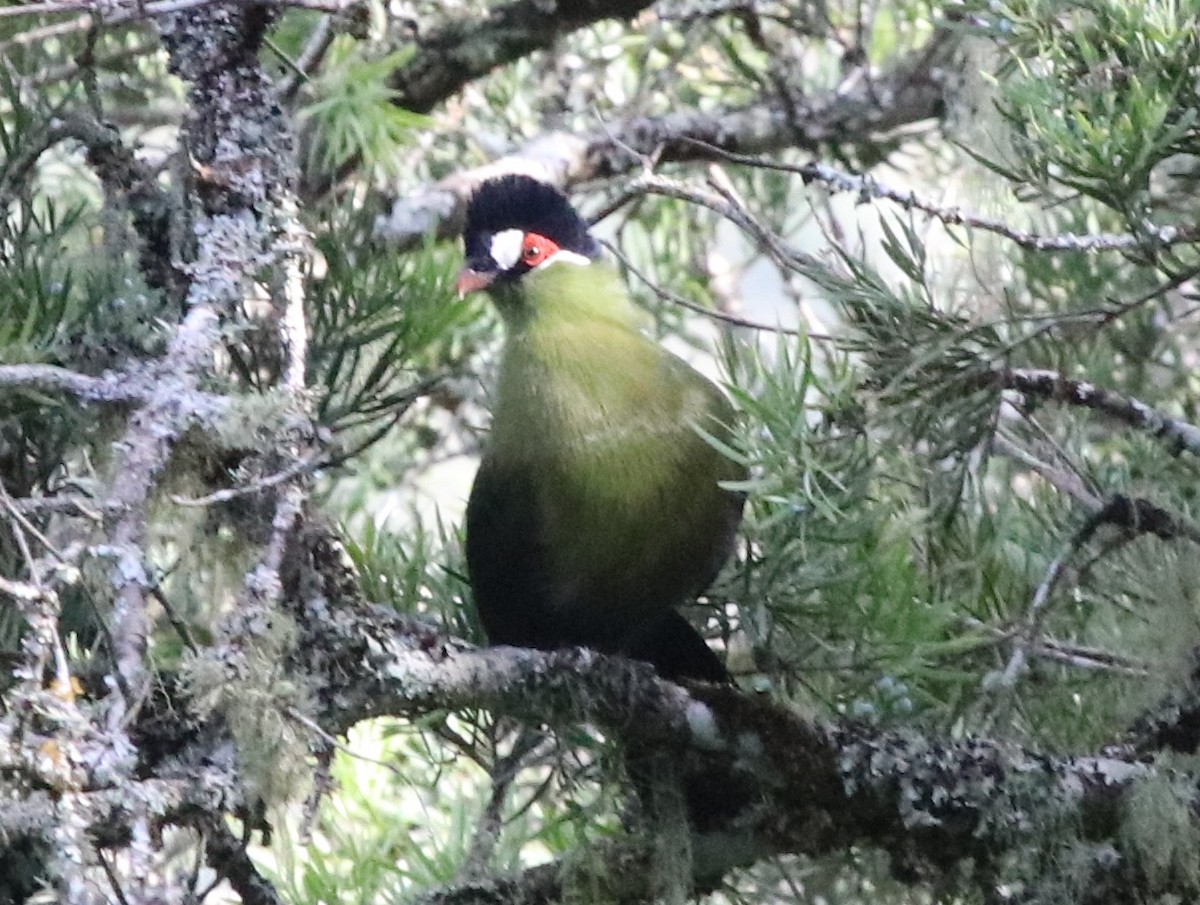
x=678, y=651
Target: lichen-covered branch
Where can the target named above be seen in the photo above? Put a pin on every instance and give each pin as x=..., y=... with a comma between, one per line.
x=774, y=781
x=461, y=50
x=144, y=451
x=874, y=105
x=132, y=184
x=614, y=872
x=90, y=15
x=109, y=387
x=239, y=209
x=864, y=186
x=1044, y=384
x=764, y=779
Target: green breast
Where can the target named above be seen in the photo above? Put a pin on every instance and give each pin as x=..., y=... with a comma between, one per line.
x=604, y=426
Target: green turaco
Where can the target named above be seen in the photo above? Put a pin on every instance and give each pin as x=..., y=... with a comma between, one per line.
x=598, y=507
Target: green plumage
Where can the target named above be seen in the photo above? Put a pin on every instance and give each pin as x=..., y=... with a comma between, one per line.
x=597, y=507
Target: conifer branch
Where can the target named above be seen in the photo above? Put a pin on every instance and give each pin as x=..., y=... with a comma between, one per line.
x=931, y=802
x=1046, y=384
x=866, y=187
x=1132, y=515
x=912, y=92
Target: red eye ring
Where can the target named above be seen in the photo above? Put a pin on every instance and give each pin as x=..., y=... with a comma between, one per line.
x=537, y=249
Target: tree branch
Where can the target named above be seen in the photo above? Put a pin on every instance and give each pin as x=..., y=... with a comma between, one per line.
x=228, y=855
x=248, y=244
x=860, y=111
x=864, y=186
x=770, y=780
x=781, y=782
x=1046, y=384
x=463, y=50
x=94, y=15
x=110, y=387
x=126, y=178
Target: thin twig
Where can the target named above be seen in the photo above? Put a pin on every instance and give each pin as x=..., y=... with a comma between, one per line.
x=1070, y=484
x=44, y=619
x=114, y=881
x=69, y=504
x=727, y=206
x=1027, y=638
x=1085, y=657
x=307, y=464
x=56, y=75
x=1029, y=416
x=318, y=45
x=21, y=590
x=1079, y=655
x=734, y=321
x=1131, y=514
x=323, y=785
x=181, y=628
x=1097, y=318
x=20, y=518
x=331, y=740
x=491, y=822
x=866, y=187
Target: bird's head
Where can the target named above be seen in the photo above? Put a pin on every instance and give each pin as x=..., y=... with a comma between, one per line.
x=515, y=226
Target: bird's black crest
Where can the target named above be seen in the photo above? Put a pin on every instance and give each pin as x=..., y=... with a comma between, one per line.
x=524, y=203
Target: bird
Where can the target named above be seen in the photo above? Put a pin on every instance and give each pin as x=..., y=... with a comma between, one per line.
x=603, y=498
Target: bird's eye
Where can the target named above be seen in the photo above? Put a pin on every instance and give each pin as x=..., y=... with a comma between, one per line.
x=536, y=250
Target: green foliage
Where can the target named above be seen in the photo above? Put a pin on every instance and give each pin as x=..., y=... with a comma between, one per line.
x=833, y=581
x=38, y=300
x=1099, y=94
x=892, y=551
x=380, y=322
x=387, y=832
x=393, y=347
x=407, y=809
x=1160, y=829
x=352, y=115
x=419, y=572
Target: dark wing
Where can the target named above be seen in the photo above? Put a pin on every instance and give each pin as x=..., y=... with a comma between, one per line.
x=507, y=557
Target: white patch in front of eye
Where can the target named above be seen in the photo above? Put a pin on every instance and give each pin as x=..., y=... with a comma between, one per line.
x=506, y=248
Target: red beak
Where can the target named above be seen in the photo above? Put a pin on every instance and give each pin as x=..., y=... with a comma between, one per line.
x=473, y=280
